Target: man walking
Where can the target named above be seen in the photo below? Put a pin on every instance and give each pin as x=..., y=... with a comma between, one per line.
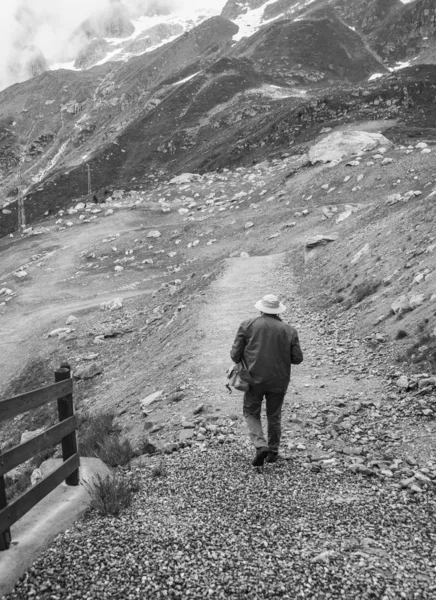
x=268, y=347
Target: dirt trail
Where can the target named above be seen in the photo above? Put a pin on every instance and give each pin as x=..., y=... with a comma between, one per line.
x=48, y=294
x=314, y=383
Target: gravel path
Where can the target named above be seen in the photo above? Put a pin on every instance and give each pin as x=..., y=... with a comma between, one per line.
x=215, y=528
x=310, y=526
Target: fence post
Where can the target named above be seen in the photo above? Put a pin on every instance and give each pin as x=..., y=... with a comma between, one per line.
x=5, y=537
x=65, y=410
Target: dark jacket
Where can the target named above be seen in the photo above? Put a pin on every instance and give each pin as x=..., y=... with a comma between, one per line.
x=269, y=347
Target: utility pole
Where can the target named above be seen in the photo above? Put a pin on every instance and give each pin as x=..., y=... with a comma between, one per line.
x=21, y=210
x=20, y=202
x=89, y=183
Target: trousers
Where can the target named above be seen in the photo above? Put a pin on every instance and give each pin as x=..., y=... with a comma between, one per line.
x=252, y=411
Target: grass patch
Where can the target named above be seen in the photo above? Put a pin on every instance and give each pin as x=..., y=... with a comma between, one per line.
x=365, y=289
x=112, y=494
x=422, y=353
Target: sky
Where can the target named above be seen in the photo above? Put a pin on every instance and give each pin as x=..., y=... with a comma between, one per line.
x=31, y=27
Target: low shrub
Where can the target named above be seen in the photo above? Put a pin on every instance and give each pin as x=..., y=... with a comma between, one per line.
x=98, y=437
x=365, y=289
x=94, y=429
x=401, y=334
x=422, y=353
x=159, y=470
x=115, y=451
x=112, y=494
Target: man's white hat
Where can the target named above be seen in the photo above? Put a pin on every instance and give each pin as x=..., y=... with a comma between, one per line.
x=270, y=304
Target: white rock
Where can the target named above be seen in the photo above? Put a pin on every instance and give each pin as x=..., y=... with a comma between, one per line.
x=115, y=304
x=421, y=145
x=387, y=161
x=183, y=211
x=400, y=305
x=340, y=144
x=244, y=255
x=29, y=435
x=426, y=151
x=119, y=268
x=150, y=399
x=60, y=331
x=20, y=274
x=154, y=234
x=416, y=300
x=35, y=477
x=71, y=319
x=249, y=224
x=402, y=382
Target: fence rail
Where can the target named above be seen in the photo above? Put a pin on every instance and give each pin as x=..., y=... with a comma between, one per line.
x=63, y=432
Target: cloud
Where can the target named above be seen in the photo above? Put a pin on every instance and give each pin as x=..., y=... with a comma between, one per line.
x=34, y=31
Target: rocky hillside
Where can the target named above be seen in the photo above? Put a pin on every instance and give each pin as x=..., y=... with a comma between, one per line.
x=203, y=101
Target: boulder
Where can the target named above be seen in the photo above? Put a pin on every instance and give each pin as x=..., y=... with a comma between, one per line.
x=185, y=178
x=154, y=234
x=151, y=398
x=71, y=319
x=29, y=435
x=400, y=305
x=320, y=240
x=416, y=300
x=186, y=434
x=402, y=382
x=88, y=371
x=115, y=304
x=60, y=332
x=341, y=144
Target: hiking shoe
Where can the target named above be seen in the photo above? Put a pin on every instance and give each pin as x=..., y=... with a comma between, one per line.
x=259, y=459
x=272, y=457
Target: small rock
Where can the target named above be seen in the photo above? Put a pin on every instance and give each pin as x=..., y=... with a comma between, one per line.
x=186, y=434
x=402, y=382
x=325, y=557
x=198, y=409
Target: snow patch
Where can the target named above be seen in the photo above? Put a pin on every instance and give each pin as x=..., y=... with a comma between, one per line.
x=186, y=78
x=276, y=92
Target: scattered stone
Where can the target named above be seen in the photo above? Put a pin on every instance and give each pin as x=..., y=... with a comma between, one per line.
x=198, y=409
x=154, y=234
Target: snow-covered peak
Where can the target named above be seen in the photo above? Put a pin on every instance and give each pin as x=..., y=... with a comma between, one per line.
x=148, y=35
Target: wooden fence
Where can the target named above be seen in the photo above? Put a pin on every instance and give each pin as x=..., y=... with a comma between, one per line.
x=64, y=432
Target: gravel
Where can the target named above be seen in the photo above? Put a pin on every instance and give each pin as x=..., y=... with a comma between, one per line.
x=214, y=527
